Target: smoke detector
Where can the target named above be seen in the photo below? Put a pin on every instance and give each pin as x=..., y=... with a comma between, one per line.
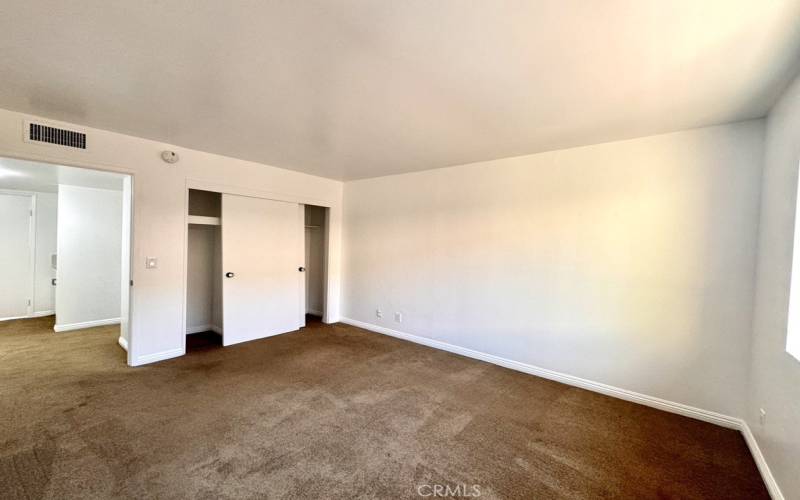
x=170, y=156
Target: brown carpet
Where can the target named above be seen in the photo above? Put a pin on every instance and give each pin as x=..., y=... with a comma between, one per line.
x=331, y=412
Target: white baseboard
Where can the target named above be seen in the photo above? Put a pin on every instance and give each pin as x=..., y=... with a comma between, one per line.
x=197, y=329
x=661, y=404
x=14, y=317
x=314, y=313
x=158, y=356
x=203, y=328
x=38, y=314
x=617, y=392
x=85, y=324
x=122, y=342
x=761, y=463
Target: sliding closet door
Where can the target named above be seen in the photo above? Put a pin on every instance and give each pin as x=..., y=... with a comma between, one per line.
x=16, y=272
x=261, y=253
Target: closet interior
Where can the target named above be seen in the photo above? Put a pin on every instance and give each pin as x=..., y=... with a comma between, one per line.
x=315, y=243
x=204, y=269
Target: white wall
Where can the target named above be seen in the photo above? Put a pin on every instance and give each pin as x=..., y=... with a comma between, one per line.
x=158, y=218
x=46, y=217
x=629, y=263
x=89, y=255
x=774, y=374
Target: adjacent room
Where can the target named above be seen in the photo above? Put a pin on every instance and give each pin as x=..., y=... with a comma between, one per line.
x=65, y=238
x=346, y=249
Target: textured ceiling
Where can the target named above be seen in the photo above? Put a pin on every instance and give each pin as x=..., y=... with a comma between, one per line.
x=351, y=89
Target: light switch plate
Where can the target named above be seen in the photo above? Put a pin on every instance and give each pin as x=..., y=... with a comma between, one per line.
x=151, y=263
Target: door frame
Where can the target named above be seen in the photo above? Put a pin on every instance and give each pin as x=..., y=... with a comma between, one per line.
x=100, y=167
x=29, y=308
x=217, y=187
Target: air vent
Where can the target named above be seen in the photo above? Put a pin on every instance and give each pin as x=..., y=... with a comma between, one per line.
x=51, y=135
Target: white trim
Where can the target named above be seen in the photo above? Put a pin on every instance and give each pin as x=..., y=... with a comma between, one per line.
x=158, y=356
x=661, y=404
x=197, y=329
x=14, y=317
x=85, y=324
x=200, y=328
x=29, y=316
x=761, y=463
x=654, y=402
x=122, y=342
x=203, y=328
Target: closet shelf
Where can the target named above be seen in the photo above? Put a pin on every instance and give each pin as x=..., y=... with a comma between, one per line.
x=208, y=221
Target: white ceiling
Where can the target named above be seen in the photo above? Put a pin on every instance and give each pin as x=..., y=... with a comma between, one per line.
x=359, y=88
x=44, y=177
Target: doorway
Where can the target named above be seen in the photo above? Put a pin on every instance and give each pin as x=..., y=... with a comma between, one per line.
x=66, y=246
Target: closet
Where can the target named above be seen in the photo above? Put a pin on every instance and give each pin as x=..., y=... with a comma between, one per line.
x=245, y=266
x=204, y=263
x=315, y=243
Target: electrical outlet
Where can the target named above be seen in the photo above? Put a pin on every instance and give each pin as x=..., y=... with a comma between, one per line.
x=762, y=416
x=378, y=313
x=398, y=316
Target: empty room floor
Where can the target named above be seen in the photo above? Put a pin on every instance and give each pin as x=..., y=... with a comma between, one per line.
x=331, y=411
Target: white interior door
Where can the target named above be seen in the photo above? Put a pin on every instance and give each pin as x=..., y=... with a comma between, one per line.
x=261, y=254
x=301, y=278
x=16, y=268
x=309, y=242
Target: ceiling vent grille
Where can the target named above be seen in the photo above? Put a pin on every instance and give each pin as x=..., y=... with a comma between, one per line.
x=51, y=135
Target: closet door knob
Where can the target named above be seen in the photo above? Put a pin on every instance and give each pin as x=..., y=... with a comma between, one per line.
x=229, y=275
x=301, y=269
